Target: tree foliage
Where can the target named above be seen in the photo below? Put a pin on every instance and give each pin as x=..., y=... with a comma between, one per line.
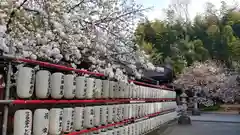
x=211, y=78
x=194, y=46
x=212, y=35
x=97, y=32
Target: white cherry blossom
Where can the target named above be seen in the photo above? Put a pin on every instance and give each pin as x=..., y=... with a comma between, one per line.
x=100, y=32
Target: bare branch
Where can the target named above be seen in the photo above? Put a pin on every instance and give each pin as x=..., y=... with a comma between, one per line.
x=30, y=10
x=108, y=19
x=75, y=6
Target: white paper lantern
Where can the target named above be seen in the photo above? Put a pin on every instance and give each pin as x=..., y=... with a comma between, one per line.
x=131, y=90
x=43, y=84
x=90, y=86
x=88, y=117
x=123, y=111
x=130, y=131
x=158, y=93
x=110, y=113
x=55, y=121
x=137, y=129
x=148, y=125
x=41, y=122
x=127, y=91
x=117, y=90
x=104, y=114
x=149, y=93
x=164, y=93
x=25, y=82
x=122, y=131
x=103, y=133
x=126, y=111
x=169, y=94
x=105, y=93
x=122, y=89
x=142, y=110
x=117, y=131
x=174, y=94
x=97, y=115
x=142, y=92
x=134, y=89
x=112, y=87
x=81, y=87
x=134, y=128
x=160, y=107
x=98, y=89
x=57, y=84
x=137, y=91
x=69, y=86
x=153, y=93
x=138, y=110
x=145, y=93
x=68, y=119
x=22, y=122
x=114, y=113
x=141, y=127
x=117, y=114
x=126, y=130
x=110, y=132
x=78, y=118
x=120, y=112
x=134, y=114
x=130, y=112
x=146, y=109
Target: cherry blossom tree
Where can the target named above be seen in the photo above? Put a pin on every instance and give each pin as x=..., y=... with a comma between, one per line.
x=212, y=79
x=99, y=32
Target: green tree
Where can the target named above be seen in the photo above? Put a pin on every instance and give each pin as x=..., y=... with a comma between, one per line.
x=213, y=35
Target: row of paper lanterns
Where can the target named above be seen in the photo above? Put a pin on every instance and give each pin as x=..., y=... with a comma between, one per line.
x=138, y=128
x=57, y=120
x=69, y=86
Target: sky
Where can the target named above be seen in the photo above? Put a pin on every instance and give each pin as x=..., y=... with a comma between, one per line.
x=195, y=7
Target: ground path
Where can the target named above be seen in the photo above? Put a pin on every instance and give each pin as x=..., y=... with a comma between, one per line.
x=209, y=124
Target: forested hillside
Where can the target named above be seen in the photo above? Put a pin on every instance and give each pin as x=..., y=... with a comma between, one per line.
x=181, y=40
